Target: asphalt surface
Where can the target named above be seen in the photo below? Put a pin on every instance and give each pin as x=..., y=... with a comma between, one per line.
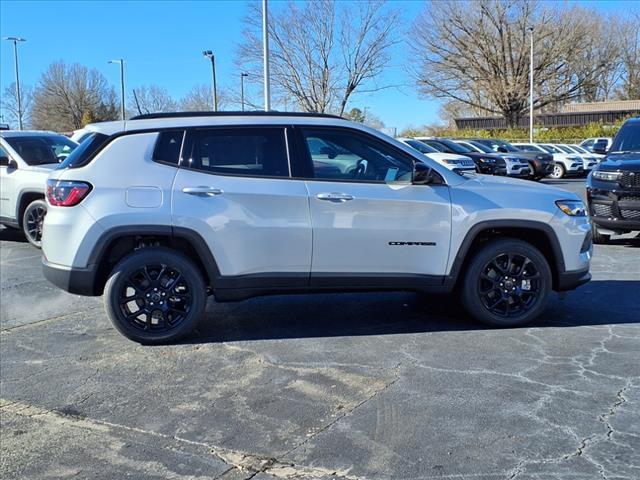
x=355, y=386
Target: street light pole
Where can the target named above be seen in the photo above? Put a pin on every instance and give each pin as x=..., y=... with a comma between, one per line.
x=122, y=100
x=242, y=75
x=531, y=89
x=265, y=57
x=214, y=89
x=15, y=41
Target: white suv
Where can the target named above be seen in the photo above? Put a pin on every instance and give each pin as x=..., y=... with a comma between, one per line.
x=158, y=211
x=565, y=163
x=452, y=161
x=26, y=159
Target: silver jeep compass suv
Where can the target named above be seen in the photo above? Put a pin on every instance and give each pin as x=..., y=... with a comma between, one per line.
x=157, y=212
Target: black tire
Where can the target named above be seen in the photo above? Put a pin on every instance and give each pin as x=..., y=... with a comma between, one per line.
x=599, y=238
x=500, y=264
x=32, y=219
x=163, y=287
x=558, y=171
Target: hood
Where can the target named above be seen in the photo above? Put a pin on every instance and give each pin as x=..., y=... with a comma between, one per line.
x=533, y=155
x=517, y=187
x=447, y=156
x=621, y=161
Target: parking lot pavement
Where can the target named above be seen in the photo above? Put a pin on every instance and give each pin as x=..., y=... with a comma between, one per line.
x=388, y=385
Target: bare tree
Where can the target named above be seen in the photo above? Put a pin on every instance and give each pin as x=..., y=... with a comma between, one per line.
x=10, y=104
x=200, y=99
x=478, y=54
x=630, y=57
x=69, y=96
x=321, y=51
x=151, y=99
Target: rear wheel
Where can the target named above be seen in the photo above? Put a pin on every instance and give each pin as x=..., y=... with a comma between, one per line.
x=32, y=219
x=558, y=171
x=507, y=283
x=155, y=295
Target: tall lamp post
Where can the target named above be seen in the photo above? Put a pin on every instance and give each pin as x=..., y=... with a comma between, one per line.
x=214, y=91
x=122, y=106
x=531, y=88
x=15, y=41
x=242, y=75
x=265, y=57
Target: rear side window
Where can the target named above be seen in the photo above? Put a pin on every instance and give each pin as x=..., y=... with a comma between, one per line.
x=255, y=152
x=83, y=154
x=168, y=147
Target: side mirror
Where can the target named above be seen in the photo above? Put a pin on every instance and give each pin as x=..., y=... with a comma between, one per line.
x=425, y=175
x=502, y=149
x=12, y=165
x=600, y=147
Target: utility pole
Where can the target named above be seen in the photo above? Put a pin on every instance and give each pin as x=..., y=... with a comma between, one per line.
x=15, y=41
x=531, y=88
x=242, y=75
x=122, y=99
x=214, y=90
x=265, y=57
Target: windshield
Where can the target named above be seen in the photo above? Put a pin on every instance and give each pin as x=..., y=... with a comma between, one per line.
x=627, y=139
x=84, y=151
x=550, y=148
x=497, y=144
x=481, y=146
x=579, y=149
x=42, y=149
x=454, y=147
x=565, y=149
x=420, y=146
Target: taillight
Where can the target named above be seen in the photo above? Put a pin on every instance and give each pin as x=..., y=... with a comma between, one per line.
x=66, y=193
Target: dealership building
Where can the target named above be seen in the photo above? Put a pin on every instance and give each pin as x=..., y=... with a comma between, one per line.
x=571, y=115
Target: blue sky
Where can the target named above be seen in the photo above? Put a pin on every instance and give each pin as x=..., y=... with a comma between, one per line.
x=162, y=41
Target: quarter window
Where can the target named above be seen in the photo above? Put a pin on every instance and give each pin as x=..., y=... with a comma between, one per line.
x=168, y=147
x=260, y=152
x=344, y=155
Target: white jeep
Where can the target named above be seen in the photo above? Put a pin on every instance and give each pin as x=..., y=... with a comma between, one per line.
x=26, y=159
x=157, y=212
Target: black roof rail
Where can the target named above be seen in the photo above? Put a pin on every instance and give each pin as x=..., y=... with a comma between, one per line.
x=257, y=113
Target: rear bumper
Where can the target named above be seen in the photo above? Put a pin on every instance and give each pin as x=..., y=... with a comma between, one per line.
x=572, y=279
x=79, y=281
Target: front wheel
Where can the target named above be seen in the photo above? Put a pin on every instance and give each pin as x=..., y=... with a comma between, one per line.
x=32, y=219
x=558, y=171
x=155, y=295
x=507, y=283
x=599, y=238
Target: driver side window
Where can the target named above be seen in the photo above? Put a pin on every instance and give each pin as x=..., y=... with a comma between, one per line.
x=350, y=156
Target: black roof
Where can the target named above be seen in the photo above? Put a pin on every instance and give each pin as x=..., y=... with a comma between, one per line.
x=256, y=113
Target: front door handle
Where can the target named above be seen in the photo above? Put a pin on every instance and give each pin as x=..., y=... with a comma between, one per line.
x=337, y=197
x=202, y=191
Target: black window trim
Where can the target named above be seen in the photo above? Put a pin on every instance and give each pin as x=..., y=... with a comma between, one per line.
x=189, y=145
x=305, y=156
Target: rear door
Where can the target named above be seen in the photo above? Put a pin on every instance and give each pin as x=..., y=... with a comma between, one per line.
x=369, y=221
x=234, y=189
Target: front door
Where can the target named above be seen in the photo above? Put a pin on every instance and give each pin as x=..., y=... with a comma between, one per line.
x=368, y=219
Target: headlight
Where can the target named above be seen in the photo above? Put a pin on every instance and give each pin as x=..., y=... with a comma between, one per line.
x=606, y=176
x=487, y=160
x=573, y=208
x=452, y=162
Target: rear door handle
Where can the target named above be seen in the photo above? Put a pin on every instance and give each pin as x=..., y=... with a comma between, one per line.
x=336, y=197
x=202, y=191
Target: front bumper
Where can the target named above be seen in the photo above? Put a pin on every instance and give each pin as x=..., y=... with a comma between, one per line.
x=79, y=281
x=617, y=210
x=572, y=280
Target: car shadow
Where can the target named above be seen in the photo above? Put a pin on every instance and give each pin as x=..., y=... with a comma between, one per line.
x=393, y=313
x=8, y=234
